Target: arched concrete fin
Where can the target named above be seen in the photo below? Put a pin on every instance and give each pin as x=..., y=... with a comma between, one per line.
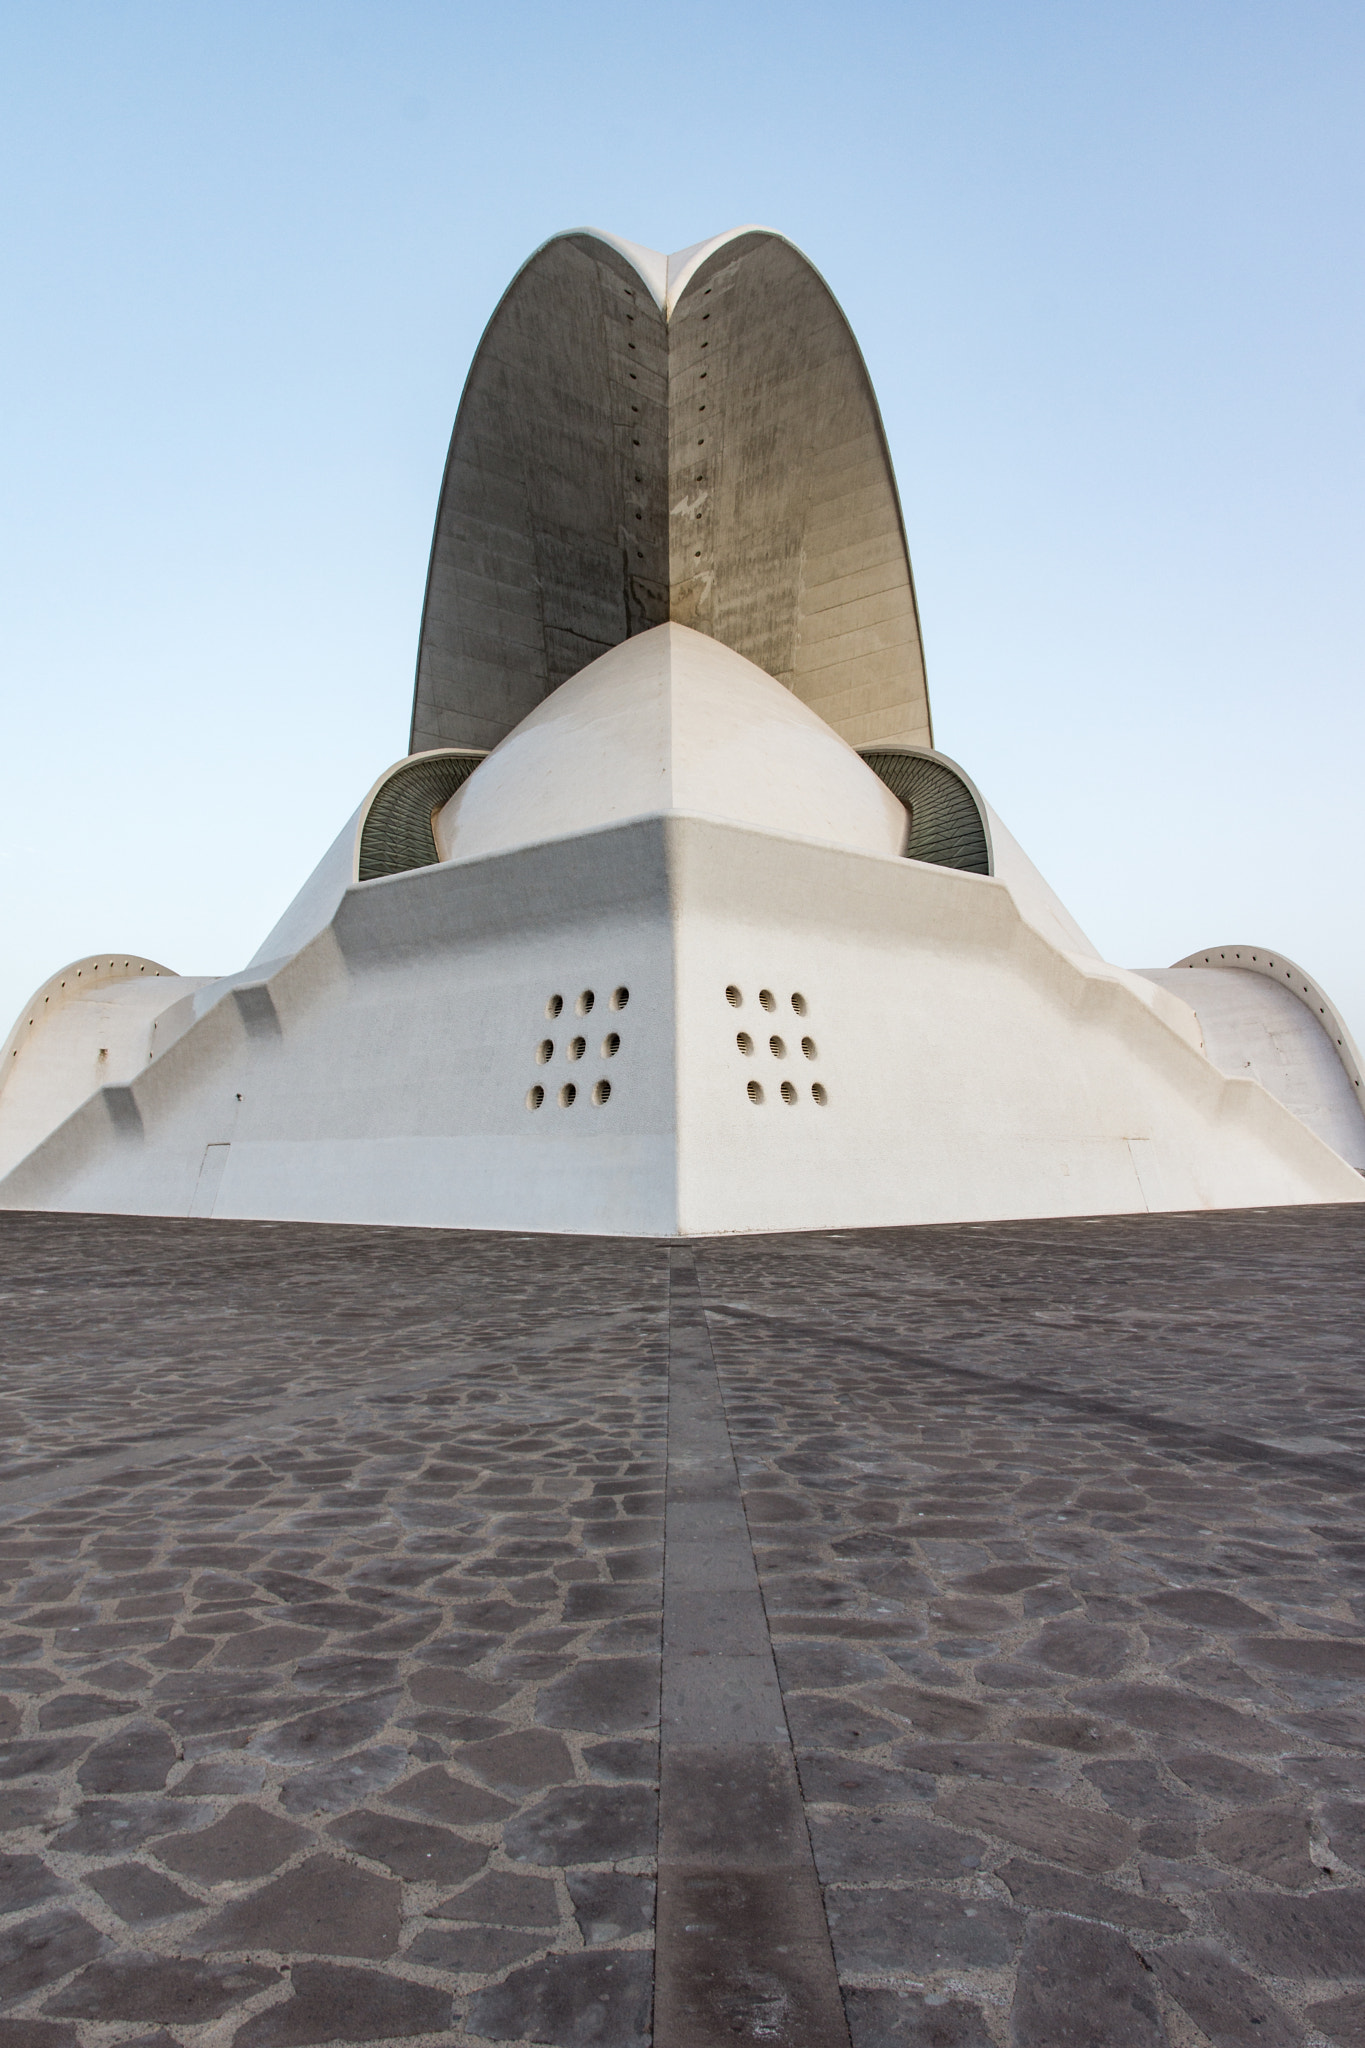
x=581, y=505
x=786, y=536
x=551, y=540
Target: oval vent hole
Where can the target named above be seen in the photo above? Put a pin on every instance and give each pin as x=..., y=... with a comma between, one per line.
x=611, y=1045
x=567, y=1094
x=585, y=1002
x=577, y=1048
x=788, y=1092
x=798, y=1003
x=545, y=1051
x=534, y=1097
x=777, y=1048
x=808, y=1048
x=601, y=1092
x=755, y=1092
x=818, y=1094
x=767, y=998
x=619, y=998
x=554, y=1006
x=733, y=997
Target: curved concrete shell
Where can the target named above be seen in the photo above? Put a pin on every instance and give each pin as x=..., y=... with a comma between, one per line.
x=644, y=439
x=1262, y=1016
x=948, y=818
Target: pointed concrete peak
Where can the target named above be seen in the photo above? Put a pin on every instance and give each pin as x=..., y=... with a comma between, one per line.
x=684, y=264
x=669, y=276
x=651, y=263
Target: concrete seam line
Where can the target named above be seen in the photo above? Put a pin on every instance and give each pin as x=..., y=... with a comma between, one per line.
x=742, y=1945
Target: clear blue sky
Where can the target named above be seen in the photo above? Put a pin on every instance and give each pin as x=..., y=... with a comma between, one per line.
x=1105, y=262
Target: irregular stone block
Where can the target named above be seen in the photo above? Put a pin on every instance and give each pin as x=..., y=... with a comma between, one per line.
x=932, y=1713
x=25, y=1881
x=830, y=1779
x=608, y=1905
x=1272, y=1846
x=922, y=1931
x=478, y=1950
x=1166, y=1710
x=1082, y=1649
x=39, y=1757
x=585, y=1824
x=523, y=1762
x=110, y=1827
x=139, y=1895
x=335, y=1786
x=860, y=1848
x=1064, y=1834
x=1079, y=1985
x=326, y=1731
x=1058, y=1891
x=1322, y=1936
x=599, y=1995
x=332, y=2003
x=247, y=1842
x=1228, y=2005
x=171, y=1989
x=37, y=1951
x=502, y=1898
x=603, y=1696
x=325, y=1907
x=80, y=1710
x=412, y=1849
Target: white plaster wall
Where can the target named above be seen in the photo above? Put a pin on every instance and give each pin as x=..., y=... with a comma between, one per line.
x=1254, y=1027
x=383, y=1074
x=973, y=1070
x=95, y=1034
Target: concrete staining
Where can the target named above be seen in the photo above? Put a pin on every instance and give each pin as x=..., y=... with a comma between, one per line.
x=674, y=922
x=963, y=1629
x=629, y=451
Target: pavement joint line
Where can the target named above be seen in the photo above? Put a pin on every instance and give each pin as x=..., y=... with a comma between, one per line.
x=742, y=1945
x=1345, y=1468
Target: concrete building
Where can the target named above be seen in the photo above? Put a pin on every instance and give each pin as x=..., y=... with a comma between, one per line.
x=673, y=920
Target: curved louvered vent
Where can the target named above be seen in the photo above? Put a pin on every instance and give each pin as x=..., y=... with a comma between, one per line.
x=398, y=832
x=946, y=825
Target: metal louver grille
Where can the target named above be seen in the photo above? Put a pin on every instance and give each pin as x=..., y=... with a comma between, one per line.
x=946, y=827
x=397, y=833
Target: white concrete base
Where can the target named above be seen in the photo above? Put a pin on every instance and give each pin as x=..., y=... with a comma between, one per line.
x=675, y=896
x=971, y=1069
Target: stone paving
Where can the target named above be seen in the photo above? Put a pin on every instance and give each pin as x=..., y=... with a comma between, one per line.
x=333, y=1572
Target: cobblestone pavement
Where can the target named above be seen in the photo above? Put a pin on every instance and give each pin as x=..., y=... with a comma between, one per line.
x=332, y=1570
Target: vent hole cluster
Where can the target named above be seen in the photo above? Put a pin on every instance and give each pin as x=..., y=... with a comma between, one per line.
x=575, y=1048
x=778, y=1047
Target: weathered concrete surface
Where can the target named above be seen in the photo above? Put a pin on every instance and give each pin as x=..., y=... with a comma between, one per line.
x=611, y=469
x=336, y=1586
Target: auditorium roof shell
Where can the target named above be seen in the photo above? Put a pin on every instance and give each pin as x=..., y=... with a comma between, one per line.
x=673, y=920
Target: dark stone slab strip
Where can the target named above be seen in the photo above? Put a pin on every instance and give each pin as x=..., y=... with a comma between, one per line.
x=742, y=1945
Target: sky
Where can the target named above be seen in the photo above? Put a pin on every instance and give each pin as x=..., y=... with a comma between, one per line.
x=1105, y=264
